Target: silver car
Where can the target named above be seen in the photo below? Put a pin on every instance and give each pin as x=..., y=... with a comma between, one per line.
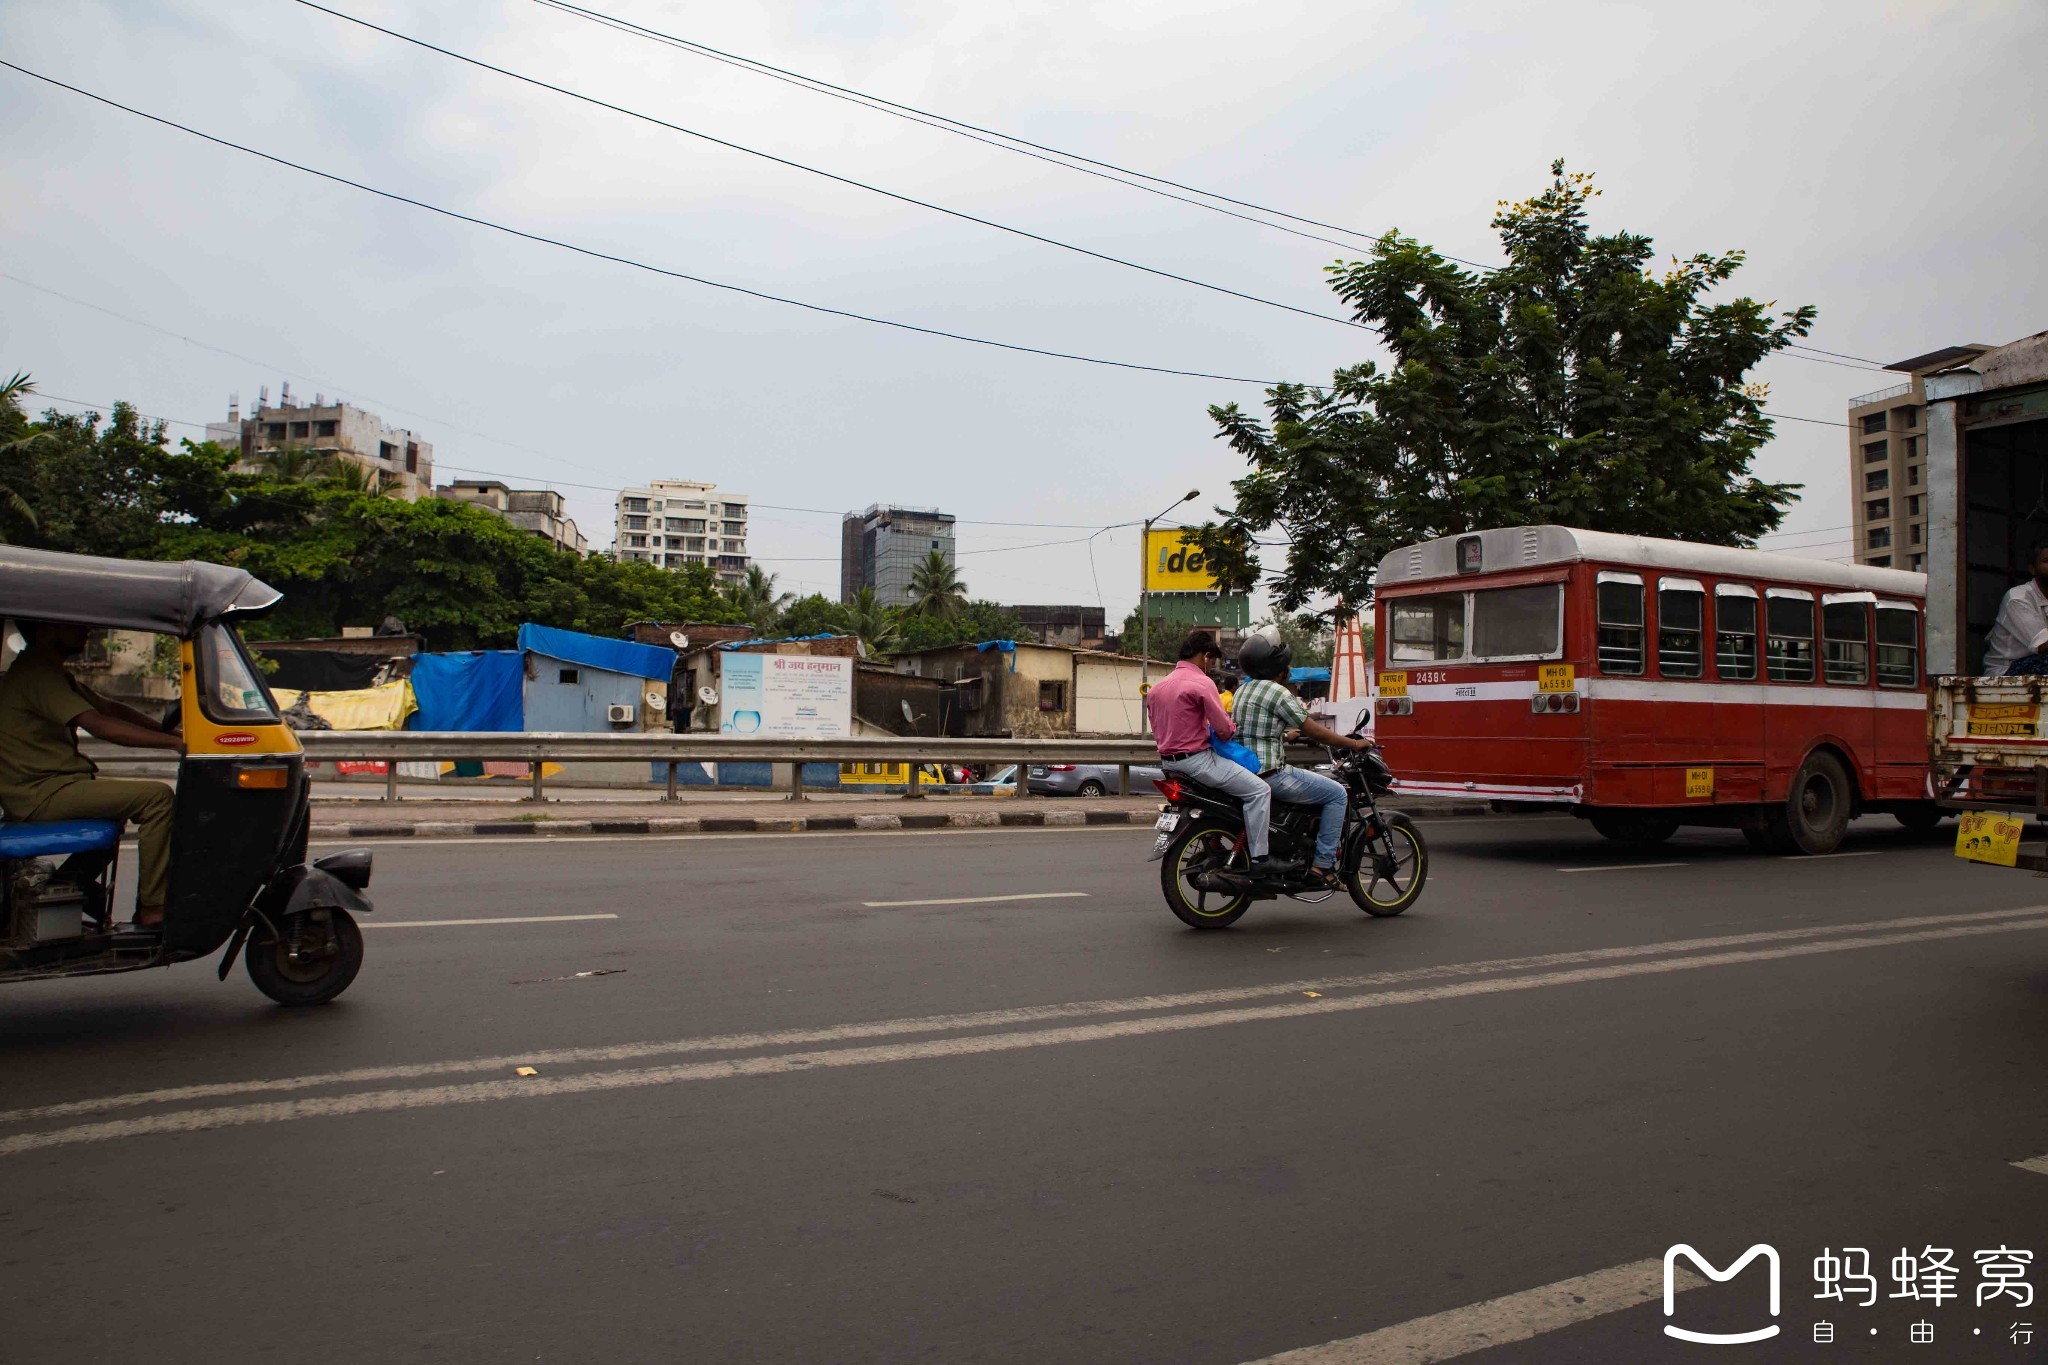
x=1084, y=779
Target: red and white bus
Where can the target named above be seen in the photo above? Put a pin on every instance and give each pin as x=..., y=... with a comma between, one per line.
x=1647, y=684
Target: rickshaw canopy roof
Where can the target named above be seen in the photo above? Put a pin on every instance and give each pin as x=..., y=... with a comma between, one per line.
x=126, y=594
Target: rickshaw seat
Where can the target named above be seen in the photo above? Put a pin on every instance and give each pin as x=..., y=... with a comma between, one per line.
x=56, y=838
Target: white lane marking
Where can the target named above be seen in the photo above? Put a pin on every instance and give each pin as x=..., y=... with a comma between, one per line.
x=1496, y=1322
x=785, y=1063
x=1826, y=857
x=1622, y=867
x=984, y=900
x=443, y=923
x=2037, y=1164
x=937, y=1023
x=429, y=842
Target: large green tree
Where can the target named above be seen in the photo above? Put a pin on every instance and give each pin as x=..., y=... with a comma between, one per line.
x=1575, y=384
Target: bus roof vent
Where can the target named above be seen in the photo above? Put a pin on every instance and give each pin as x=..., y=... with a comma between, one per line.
x=1529, y=539
x=1414, y=561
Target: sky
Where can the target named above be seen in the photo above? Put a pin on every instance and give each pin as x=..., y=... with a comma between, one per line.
x=1872, y=159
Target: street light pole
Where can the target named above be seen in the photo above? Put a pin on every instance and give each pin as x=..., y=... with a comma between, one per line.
x=1145, y=591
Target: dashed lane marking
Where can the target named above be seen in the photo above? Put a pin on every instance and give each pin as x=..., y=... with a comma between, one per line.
x=195, y=1120
x=1498, y=1322
x=2037, y=1164
x=501, y=919
x=1622, y=867
x=983, y=900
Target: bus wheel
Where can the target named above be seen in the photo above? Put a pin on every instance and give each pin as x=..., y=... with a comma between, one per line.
x=1815, y=813
x=1920, y=817
x=1634, y=828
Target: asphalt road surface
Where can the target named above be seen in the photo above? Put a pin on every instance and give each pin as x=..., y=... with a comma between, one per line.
x=979, y=1097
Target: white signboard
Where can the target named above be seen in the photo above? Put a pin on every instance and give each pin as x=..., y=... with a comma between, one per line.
x=786, y=696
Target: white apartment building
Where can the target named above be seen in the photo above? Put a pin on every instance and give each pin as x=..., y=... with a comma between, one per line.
x=676, y=522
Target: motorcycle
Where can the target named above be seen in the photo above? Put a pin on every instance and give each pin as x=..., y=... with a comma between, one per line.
x=1204, y=870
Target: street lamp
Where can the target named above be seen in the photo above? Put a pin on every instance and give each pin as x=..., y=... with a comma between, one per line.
x=1145, y=593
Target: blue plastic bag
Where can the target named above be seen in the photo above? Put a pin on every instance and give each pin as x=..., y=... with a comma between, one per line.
x=1237, y=753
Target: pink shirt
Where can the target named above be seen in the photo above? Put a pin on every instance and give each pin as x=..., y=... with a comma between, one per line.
x=1184, y=707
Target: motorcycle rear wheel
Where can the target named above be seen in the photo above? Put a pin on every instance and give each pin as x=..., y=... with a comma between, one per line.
x=1197, y=849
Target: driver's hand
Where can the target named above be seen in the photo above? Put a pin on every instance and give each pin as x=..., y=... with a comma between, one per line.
x=1291, y=736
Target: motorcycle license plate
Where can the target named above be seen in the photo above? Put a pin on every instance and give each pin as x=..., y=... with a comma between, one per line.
x=1166, y=824
x=1168, y=821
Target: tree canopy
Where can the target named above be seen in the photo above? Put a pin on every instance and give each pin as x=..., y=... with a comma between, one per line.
x=1572, y=385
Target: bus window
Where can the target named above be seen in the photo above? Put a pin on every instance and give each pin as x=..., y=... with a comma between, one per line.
x=1845, y=637
x=1898, y=645
x=1518, y=623
x=1620, y=618
x=1681, y=623
x=1788, y=635
x=1426, y=629
x=1735, y=632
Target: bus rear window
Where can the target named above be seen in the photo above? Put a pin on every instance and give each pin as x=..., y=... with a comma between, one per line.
x=1620, y=618
x=1426, y=629
x=1898, y=645
x=1735, y=635
x=1845, y=643
x=1518, y=623
x=1788, y=642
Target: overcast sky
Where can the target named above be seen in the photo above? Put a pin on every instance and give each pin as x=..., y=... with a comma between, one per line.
x=1881, y=161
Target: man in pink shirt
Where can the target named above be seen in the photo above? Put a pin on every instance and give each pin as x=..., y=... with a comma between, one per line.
x=1184, y=707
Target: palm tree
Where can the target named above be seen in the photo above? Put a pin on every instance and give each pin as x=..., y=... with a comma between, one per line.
x=17, y=386
x=874, y=623
x=294, y=464
x=351, y=477
x=936, y=589
x=758, y=601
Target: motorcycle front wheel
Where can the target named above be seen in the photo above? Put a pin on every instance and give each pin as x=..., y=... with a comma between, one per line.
x=1390, y=869
x=1195, y=851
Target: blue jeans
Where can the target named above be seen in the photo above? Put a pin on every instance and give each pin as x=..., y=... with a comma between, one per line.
x=1211, y=769
x=1304, y=788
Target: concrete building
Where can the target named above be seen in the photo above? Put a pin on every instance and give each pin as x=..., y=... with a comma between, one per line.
x=1032, y=691
x=539, y=510
x=1888, y=463
x=1074, y=626
x=881, y=547
x=339, y=431
x=677, y=522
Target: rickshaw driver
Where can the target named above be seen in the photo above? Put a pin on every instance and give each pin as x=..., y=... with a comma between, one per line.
x=44, y=777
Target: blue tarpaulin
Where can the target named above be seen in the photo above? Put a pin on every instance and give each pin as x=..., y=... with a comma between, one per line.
x=594, y=651
x=474, y=691
x=1308, y=675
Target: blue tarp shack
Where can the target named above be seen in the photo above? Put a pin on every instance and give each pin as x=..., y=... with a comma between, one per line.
x=476, y=690
x=573, y=680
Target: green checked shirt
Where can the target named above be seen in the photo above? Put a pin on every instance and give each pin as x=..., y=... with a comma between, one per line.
x=1265, y=711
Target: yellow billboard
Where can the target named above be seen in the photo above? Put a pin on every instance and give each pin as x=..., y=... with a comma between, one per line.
x=1174, y=563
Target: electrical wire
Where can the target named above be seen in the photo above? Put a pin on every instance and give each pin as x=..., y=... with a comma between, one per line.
x=628, y=261
x=830, y=175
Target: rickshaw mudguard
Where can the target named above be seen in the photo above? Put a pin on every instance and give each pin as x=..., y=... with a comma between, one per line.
x=304, y=886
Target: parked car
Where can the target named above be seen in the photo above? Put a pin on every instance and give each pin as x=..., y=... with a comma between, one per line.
x=1084, y=779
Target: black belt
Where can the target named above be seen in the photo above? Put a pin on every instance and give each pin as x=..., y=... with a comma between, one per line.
x=1175, y=758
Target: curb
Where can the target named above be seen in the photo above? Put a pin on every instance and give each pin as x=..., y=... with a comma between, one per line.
x=791, y=824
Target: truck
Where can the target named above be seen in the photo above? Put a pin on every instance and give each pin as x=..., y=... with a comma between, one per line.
x=1987, y=507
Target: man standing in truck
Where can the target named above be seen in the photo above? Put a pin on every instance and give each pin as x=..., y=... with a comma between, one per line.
x=2018, y=642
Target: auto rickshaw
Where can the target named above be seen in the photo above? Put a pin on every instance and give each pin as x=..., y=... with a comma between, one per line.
x=238, y=873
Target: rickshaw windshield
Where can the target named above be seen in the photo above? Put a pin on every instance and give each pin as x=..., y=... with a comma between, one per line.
x=231, y=690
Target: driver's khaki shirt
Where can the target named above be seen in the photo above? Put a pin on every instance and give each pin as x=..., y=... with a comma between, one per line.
x=38, y=741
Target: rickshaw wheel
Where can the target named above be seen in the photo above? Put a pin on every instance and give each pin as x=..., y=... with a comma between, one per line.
x=306, y=983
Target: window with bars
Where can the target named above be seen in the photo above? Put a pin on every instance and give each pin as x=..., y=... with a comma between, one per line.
x=1619, y=615
x=1735, y=633
x=1788, y=638
x=1898, y=645
x=1845, y=642
x=1681, y=626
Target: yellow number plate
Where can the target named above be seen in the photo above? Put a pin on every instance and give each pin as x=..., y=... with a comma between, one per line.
x=1988, y=837
x=1555, y=678
x=2006, y=720
x=1393, y=684
x=1699, y=783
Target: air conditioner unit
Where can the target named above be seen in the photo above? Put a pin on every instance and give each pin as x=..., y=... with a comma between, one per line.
x=619, y=713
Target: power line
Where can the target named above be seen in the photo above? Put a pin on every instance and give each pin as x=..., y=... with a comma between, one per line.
x=988, y=136
x=829, y=175
x=628, y=261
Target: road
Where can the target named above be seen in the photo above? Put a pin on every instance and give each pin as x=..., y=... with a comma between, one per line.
x=772, y=1120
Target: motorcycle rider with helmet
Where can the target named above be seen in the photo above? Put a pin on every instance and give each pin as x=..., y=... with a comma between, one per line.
x=1266, y=712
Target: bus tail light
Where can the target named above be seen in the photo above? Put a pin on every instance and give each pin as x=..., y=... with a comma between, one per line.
x=1553, y=703
x=1395, y=706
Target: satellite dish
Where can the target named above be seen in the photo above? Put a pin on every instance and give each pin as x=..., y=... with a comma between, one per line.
x=708, y=695
x=678, y=639
x=909, y=714
x=655, y=701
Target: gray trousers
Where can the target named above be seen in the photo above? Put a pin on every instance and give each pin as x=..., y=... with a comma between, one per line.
x=1213, y=770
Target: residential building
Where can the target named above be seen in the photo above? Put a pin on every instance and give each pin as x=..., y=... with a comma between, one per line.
x=337, y=431
x=882, y=547
x=1032, y=691
x=1888, y=463
x=1074, y=626
x=678, y=522
x=539, y=510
